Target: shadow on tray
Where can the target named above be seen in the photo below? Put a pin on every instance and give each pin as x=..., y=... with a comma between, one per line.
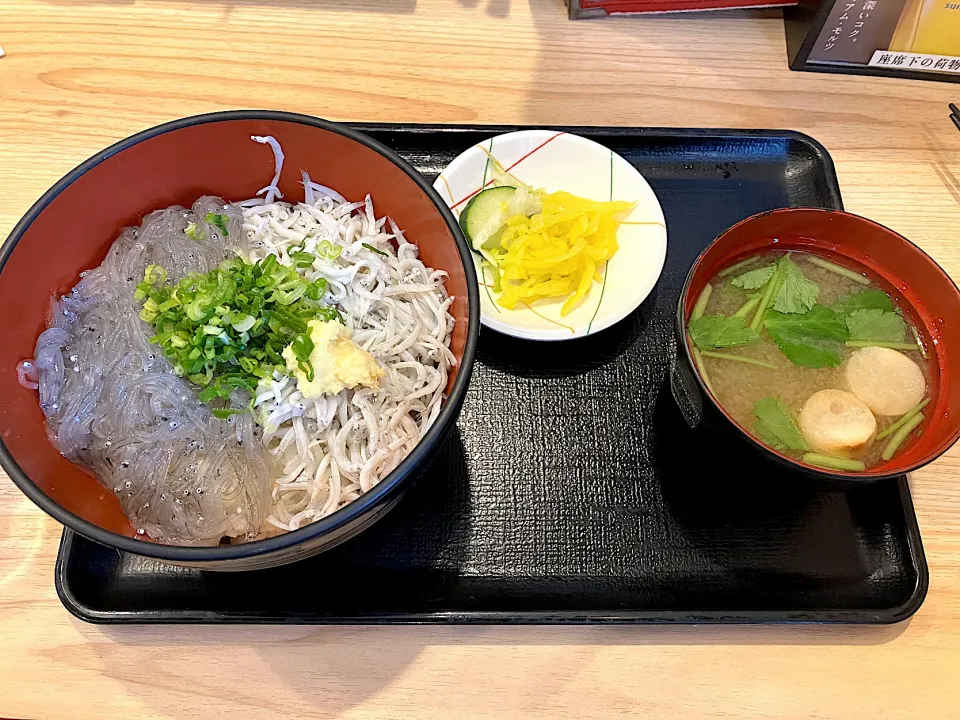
x=578, y=356
x=709, y=515
x=379, y=563
x=359, y=576
x=758, y=524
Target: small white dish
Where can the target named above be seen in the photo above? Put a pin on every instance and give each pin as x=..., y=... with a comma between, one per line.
x=560, y=161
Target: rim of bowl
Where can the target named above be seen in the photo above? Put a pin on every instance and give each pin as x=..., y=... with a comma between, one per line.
x=863, y=477
x=420, y=454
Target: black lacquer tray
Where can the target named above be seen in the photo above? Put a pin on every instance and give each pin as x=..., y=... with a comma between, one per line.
x=573, y=491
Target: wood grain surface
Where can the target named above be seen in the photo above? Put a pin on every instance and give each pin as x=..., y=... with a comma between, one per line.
x=81, y=74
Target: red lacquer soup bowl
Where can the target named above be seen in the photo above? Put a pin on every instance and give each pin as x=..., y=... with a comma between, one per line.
x=926, y=293
x=71, y=227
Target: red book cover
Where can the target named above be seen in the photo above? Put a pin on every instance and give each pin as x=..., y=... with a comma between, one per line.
x=599, y=8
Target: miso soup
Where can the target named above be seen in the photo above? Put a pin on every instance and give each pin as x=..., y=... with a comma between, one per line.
x=814, y=359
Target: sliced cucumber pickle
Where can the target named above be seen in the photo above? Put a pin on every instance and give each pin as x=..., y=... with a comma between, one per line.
x=482, y=218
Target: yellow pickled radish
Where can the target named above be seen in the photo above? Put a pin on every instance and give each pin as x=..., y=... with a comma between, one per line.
x=557, y=252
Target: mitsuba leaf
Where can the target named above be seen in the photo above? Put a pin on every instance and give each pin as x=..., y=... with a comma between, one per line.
x=876, y=325
x=754, y=279
x=863, y=300
x=775, y=425
x=814, y=339
x=797, y=294
x=717, y=331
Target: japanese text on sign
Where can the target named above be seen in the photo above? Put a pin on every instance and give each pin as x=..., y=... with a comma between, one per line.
x=858, y=14
x=915, y=61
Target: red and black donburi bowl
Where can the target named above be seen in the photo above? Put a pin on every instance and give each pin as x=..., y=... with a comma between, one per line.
x=930, y=299
x=71, y=228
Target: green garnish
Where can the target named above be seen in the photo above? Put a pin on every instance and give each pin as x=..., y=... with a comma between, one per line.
x=838, y=269
x=748, y=306
x=302, y=259
x=226, y=329
x=907, y=416
x=738, y=358
x=884, y=344
x=328, y=250
x=371, y=248
x=834, y=463
x=224, y=413
x=191, y=231
x=717, y=331
x=219, y=220
x=769, y=292
x=302, y=347
x=796, y=294
x=814, y=339
x=916, y=337
x=786, y=290
x=863, y=300
x=155, y=274
x=701, y=305
x=738, y=266
x=754, y=279
x=876, y=324
x=698, y=361
x=495, y=269
x=776, y=427
x=900, y=435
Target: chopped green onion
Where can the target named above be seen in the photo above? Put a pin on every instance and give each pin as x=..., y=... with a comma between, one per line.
x=302, y=347
x=224, y=413
x=191, y=231
x=316, y=289
x=834, y=463
x=371, y=248
x=226, y=329
x=328, y=250
x=302, y=259
x=219, y=220
x=330, y=313
x=900, y=435
x=155, y=275
x=838, y=269
x=244, y=323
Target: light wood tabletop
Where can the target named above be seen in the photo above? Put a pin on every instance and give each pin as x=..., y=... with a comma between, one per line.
x=80, y=75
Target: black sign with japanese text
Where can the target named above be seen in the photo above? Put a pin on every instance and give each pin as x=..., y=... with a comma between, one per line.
x=855, y=29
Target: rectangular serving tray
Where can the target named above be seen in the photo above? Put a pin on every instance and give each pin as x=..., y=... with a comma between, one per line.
x=572, y=491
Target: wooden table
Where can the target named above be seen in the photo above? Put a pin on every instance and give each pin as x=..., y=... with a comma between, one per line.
x=81, y=75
